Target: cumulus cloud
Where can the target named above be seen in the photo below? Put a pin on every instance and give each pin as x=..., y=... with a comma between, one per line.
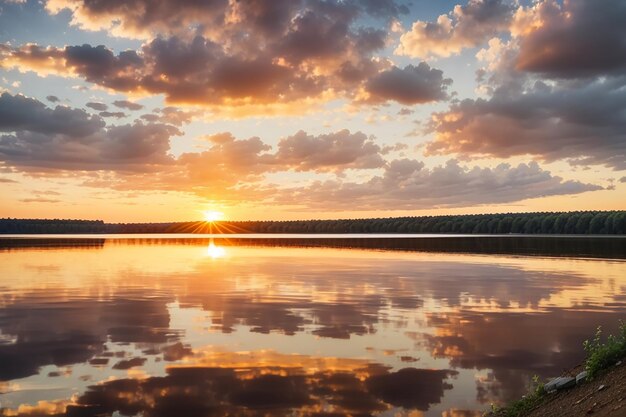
x=136, y=157
x=584, y=123
x=575, y=38
x=331, y=152
x=135, y=147
x=128, y=105
x=262, y=55
x=464, y=27
x=555, y=90
x=146, y=18
x=411, y=85
x=407, y=184
x=71, y=139
x=18, y=112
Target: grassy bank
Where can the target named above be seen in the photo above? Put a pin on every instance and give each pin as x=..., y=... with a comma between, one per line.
x=602, y=354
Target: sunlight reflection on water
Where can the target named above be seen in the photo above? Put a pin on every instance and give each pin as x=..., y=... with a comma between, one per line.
x=197, y=327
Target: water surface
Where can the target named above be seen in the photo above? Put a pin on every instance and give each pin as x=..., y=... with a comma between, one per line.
x=197, y=327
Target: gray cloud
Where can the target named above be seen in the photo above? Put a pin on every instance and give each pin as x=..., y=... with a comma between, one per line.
x=145, y=18
x=257, y=54
x=97, y=106
x=18, y=112
x=128, y=105
x=578, y=38
x=407, y=184
x=582, y=122
x=116, y=114
x=53, y=99
x=411, y=85
x=331, y=152
x=71, y=139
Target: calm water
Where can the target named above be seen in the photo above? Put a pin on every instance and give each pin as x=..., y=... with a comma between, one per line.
x=193, y=327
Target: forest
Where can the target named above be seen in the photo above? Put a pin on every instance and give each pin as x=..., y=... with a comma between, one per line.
x=576, y=222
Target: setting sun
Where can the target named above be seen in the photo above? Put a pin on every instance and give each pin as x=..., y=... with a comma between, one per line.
x=213, y=216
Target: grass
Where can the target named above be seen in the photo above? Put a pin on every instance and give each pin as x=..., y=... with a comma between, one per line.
x=525, y=404
x=600, y=355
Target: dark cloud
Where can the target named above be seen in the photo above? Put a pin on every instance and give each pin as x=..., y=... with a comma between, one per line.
x=145, y=18
x=623, y=179
x=97, y=106
x=53, y=99
x=407, y=184
x=116, y=114
x=128, y=105
x=19, y=113
x=411, y=85
x=331, y=152
x=129, y=363
x=466, y=26
x=260, y=53
x=576, y=38
x=133, y=147
x=582, y=122
x=232, y=167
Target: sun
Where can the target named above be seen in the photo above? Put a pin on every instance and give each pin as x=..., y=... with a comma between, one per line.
x=213, y=216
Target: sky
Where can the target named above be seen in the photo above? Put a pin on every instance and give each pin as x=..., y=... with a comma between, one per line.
x=161, y=110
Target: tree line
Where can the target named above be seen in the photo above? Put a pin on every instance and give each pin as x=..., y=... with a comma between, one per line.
x=577, y=222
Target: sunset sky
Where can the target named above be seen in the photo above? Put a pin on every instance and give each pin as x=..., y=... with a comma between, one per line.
x=158, y=110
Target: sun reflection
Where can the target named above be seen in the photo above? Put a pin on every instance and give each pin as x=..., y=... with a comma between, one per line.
x=215, y=251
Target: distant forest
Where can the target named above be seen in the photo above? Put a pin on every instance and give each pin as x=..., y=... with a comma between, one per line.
x=578, y=222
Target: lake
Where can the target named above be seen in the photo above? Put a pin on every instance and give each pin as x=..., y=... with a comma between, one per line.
x=334, y=325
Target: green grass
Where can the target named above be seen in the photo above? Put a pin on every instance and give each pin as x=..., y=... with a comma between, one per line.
x=602, y=355
x=525, y=404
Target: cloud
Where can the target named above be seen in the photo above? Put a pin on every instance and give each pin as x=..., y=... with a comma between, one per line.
x=18, y=112
x=411, y=85
x=146, y=18
x=268, y=57
x=71, y=139
x=173, y=115
x=584, y=123
x=135, y=147
x=128, y=105
x=575, y=38
x=331, y=152
x=464, y=27
x=97, y=106
x=116, y=114
x=136, y=157
x=53, y=99
x=554, y=91
x=39, y=200
x=407, y=184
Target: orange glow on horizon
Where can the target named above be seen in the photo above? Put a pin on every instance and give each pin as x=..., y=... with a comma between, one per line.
x=213, y=216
